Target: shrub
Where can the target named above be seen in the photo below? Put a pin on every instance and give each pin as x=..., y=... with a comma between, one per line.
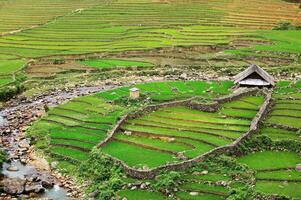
x=16, y=88
x=243, y=193
x=105, y=177
x=2, y=157
x=261, y=142
x=9, y=92
x=286, y=26
x=167, y=181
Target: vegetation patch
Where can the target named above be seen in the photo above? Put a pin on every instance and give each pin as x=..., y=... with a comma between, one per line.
x=275, y=172
x=178, y=133
x=69, y=132
x=113, y=63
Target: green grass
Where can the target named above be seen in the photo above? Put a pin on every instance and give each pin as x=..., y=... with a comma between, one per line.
x=11, y=66
x=287, y=108
x=200, y=196
x=111, y=63
x=175, y=131
x=137, y=156
x=287, y=41
x=205, y=187
x=165, y=91
x=5, y=80
x=293, y=122
x=83, y=122
x=70, y=153
x=277, y=161
x=280, y=134
x=141, y=194
x=288, y=189
x=214, y=177
x=80, y=124
x=282, y=175
x=122, y=25
x=270, y=160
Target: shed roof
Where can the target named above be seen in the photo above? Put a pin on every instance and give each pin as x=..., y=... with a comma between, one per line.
x=239, y=78
x=134, y=89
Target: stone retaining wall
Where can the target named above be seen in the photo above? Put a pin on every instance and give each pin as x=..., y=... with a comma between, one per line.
x=207, y=107
x=281, y=126
x=151, y=173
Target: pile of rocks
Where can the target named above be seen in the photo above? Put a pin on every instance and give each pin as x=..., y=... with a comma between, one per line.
x=29, y=186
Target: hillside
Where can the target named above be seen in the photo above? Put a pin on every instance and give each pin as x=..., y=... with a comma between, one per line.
x=138, y=100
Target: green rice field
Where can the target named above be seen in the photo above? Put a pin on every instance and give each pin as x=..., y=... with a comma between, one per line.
x=109, y=63
x=99, y=26
x=169, y=134
x=71, y=130
x=287, y=109
x=7, y=70
x=275, y=172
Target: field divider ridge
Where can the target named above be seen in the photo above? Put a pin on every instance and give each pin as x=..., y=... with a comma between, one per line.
x=151, y=173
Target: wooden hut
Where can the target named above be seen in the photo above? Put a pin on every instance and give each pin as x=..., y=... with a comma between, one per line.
x=254, y=76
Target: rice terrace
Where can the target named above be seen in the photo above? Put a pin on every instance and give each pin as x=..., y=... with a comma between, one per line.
x=150, y=99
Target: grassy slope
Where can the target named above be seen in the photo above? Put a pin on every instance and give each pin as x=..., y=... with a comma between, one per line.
x=83, y=122
x=180, y=131
x=274, y=160
x=109, y=63
x=160, y=25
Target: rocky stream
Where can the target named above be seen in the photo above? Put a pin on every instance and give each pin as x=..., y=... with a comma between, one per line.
x=27, y=174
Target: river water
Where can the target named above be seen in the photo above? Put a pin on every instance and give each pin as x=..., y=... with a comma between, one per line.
x=2, y=121
x=55, y=193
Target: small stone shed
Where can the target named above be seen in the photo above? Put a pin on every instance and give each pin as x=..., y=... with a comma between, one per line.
x=254, y=76
x=134, y=93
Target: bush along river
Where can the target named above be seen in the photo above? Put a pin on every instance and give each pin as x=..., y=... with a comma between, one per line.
x=25, y=174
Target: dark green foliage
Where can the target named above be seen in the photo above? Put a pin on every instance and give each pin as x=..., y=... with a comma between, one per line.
x=10, y=91
x=243, y=193
x=226, y=165
x=58, y=61
x=104, y=176
x=286, y=26
x=290, y=145
x=263, y=142
x=257, y=143
x=167, y=181
x=2, y=157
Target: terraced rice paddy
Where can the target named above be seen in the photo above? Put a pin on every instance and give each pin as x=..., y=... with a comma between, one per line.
x=287, y=110
x=24, y=14
x=275, y=172
x=204, y=187
x=123, y=25
x=166, y=91
x=7, y=70
x=112, y=63
x=171, y=134
x=141, y=194
x=74, y=128
x=286, y=42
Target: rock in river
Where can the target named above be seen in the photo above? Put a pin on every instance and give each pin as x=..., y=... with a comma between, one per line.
x=13, y=186
x=33, y=187
x=13, y=168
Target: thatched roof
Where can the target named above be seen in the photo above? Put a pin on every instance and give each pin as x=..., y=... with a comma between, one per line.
x=242, y=78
